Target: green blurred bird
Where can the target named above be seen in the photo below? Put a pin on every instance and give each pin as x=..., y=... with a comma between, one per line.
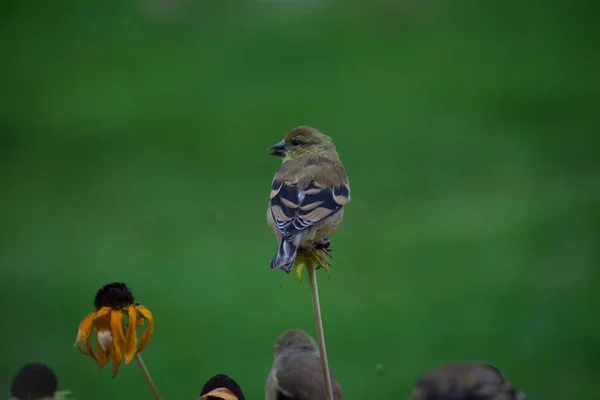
x=308, y=193
x=297, y=373
x=465, y=381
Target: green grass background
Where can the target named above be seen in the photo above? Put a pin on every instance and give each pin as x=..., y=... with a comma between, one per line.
x=132, y=148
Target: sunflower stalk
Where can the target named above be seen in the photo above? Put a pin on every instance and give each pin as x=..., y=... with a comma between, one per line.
x=149, y=381
x=310, y=267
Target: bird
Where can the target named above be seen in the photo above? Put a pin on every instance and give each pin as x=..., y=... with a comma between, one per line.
x=297, y=373
x=221, y=387
x=465, y=381
x=308, y=193
x=36, y=381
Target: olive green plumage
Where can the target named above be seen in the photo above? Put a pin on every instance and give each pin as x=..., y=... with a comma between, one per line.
x=308, y=193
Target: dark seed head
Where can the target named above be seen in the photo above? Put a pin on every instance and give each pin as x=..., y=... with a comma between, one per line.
x=34, y=381
x=114, y=295
x=222, y=381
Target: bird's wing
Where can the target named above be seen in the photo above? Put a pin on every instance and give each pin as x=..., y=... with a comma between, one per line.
x=272, y=390
x=295, y=209
x=304, y=380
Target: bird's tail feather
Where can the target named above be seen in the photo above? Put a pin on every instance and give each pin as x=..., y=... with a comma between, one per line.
x=285, y=257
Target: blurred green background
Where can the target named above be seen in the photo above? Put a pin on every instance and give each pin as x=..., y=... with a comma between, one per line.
x=133, y=148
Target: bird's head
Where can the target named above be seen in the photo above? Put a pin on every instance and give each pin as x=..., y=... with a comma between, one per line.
x=295, y=340
x=302, y=140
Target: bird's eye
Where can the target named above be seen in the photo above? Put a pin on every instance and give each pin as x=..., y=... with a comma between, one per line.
x=296, y=142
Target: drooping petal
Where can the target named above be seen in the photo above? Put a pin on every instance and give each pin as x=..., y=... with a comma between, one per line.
x=131, y=335
x=116, y=328
x=102, y=320
x=84, y=331
x=89, y=349
x=102, y=317
x=220, y=393
x=104, y=337
x=103, y=345
x=149, y=330
x=117, y=357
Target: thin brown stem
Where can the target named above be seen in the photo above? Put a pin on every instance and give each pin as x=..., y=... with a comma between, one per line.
x=320, y=332
x=146, y=374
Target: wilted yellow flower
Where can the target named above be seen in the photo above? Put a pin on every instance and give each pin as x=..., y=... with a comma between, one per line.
x=113, y=342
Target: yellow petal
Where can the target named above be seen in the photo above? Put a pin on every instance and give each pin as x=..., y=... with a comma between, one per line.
x=131, y=335
x=220, y=393
x=299, y=269
x=116, y=328
x=102, y=353
x=85, y=330
x=88, y=348
x=104, y=337
x=149, y=330
x=117, y=358
x=102, y=322
x=102, y=318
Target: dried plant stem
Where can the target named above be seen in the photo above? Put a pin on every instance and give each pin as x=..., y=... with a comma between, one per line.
x=146, y=374
x=320, y=332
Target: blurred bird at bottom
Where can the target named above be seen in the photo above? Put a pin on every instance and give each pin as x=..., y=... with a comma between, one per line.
x=221, y=387
x=297, y=373
x=465, y=381
x=36, y=381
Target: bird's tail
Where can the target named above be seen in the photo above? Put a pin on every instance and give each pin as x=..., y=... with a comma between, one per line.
x=285, y=257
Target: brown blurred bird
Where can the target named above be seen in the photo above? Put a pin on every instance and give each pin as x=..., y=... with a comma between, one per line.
x=296, y=373
x=465, y=381
x=308, y=193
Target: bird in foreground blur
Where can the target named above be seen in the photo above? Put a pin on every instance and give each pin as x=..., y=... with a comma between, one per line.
x=465, y=381
x=36, y=381
x=296, y=373
x=308, y=193
x=221, y=387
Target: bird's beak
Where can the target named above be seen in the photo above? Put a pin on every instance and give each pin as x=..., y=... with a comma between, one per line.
x=278, y=149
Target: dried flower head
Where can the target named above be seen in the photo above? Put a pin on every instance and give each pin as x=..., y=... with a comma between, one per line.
x=115, y=340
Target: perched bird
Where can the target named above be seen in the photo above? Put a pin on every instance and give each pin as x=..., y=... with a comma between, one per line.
x=36, y=381
x=221, y=387
x=297, y=373
x=308, y=193
x=465, y=381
